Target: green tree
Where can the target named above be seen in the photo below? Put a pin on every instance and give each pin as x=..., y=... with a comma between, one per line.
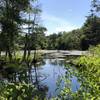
x=52, y=41
x=91, y=28
x=34, y=30
x=10, y=21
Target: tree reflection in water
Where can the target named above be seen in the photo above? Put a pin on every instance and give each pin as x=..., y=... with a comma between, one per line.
x=25, y=72
x=48, y=76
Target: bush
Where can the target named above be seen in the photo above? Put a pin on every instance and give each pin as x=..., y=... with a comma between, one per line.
x=89, y=77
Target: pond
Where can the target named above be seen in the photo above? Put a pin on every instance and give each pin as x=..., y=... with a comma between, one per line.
x=53, y=71
x=47, y=76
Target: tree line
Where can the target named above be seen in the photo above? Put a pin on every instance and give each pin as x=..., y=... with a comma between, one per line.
x=83, y=38
x=20, y=29
x=19, y=26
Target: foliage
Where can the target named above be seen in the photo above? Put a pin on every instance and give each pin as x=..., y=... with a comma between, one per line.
x=95, y=50
x=72, y=40
x=10, y=22
x=88, y=72
x=19, y=91
x=38, y=38
x=83, y=38
x=66, y=40
x=91, y=30
x=11, y=39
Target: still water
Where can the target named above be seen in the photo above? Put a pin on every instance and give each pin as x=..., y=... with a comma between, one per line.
x=51, y=74
x=47, y=76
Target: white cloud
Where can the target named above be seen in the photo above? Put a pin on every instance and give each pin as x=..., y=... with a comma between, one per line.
x=53, y=18
x=64, y=28
x=55, y=24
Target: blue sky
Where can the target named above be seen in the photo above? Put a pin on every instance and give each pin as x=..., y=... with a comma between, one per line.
x=64, y=15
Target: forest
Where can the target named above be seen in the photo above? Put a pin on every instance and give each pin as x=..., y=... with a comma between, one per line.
x=23, y=56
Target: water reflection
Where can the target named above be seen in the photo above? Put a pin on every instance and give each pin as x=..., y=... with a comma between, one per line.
x=47, y=76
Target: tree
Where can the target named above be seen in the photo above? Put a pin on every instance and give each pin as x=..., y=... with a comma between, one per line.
x=91, y=28
x=32, y=23
x=52, y=41
x=66, y=40
x=38, y=38
x=10, y=21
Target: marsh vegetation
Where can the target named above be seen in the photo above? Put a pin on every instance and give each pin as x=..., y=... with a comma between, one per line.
x=30, y=71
